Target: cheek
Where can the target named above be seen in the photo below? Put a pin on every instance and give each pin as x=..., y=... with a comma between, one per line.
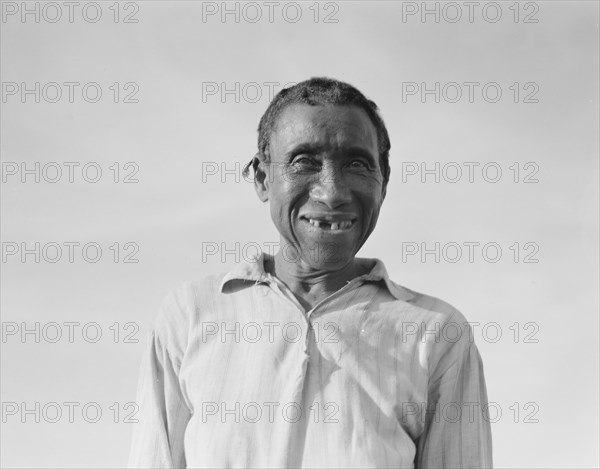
x=370, y=198
x=290, y=192
x=282, y=200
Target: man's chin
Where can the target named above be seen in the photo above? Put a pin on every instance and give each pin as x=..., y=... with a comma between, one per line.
x=327, y=256
x=319, y=255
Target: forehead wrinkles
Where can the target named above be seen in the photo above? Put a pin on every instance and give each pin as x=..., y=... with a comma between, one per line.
x=325, y=125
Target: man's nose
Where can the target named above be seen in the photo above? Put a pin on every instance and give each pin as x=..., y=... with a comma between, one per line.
x=330, y=189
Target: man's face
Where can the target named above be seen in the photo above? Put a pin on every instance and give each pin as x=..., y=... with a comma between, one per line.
x=324, y=183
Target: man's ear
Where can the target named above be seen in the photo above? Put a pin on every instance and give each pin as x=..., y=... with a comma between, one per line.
x=261, y=179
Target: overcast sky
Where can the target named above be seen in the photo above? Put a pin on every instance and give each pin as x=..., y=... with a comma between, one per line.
x=518, y=107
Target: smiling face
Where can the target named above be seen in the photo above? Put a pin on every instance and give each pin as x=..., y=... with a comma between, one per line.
x=323, y=182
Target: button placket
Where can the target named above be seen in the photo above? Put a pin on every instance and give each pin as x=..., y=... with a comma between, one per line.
x=282, y=290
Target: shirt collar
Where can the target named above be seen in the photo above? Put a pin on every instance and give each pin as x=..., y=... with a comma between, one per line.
x=253, y=271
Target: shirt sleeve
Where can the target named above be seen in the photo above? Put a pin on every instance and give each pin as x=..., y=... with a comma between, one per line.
x=457, y=431
x=158, y=436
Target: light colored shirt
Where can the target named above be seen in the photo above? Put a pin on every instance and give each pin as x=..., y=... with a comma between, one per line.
x=238, y=374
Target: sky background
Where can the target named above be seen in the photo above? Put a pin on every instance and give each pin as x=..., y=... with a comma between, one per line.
x=544, y=380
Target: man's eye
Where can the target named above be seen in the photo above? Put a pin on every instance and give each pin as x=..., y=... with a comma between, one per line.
x=358, y=164
x=304, y=161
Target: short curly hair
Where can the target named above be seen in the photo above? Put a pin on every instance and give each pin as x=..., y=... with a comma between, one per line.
x=319, y=91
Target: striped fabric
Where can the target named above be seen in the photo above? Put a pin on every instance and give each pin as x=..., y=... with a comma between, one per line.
x=238, y=374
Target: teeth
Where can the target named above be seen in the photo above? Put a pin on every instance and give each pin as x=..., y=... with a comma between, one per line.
x=342, y=225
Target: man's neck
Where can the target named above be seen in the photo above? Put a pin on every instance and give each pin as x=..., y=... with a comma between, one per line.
x=311, y=286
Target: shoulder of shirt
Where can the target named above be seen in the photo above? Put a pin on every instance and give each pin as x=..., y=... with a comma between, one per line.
x=178, y=313
x=440, y=308
x=451, y=335
x=438, y=315
x=182, y=304
x=425, y=306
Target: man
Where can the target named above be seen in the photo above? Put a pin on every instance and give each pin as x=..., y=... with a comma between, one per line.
x=313, y=357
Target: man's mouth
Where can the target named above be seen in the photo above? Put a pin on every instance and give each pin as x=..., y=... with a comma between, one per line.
x=330, y=223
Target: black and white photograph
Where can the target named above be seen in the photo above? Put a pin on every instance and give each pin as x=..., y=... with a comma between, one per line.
x=305, y=234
